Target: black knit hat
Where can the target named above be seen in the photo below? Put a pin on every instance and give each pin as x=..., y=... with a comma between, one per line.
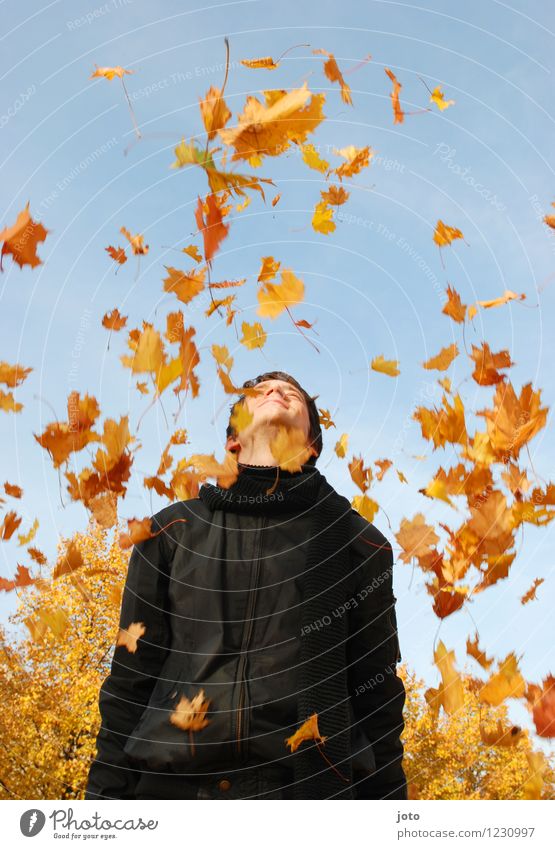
x=315, y=434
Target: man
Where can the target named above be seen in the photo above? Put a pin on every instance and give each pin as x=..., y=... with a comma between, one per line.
x=267, y=609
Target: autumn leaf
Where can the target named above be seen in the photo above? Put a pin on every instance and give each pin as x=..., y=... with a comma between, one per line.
x=437, y=98
x=451, y=691
x=265, y=62
x=398, y=114
x=366, y=506
x=209, y=218
x=214, y=111
x=276, y=200
x=313, y=159
x=389, y=367
x=13, y=375
x=443, y=360
x=416, y=538
x=474, y=651
x=501, y=301
x=341, y=445
x=21, y=240
x=322, y=219
x=550, y=219
x=61, y=439
x=357, y=159
x=289, y=448
x=274, y=298
x=254, y=335
x=454, y=308
x=241, y=417
x=117, y=254
x=445, y=235
x=110, y=73
x=69, y=562
x=206, y=465
x=13, y=490
x=506, y=683
x=308, y=731
x=334, y=75
x=383, y=466
x=335, y=196
x=446, y=424
x=506, y=736
x=186, y=285
x=530, y=594
x=268, y=269
x=487, y=364
x=193, y=252
x=360, y=475
x=138, y=531
x=325, y=418
x=137, y=242
x=268, y=129
x=114, y=320
x=128, y=637
x=22, y=579
x=543, y=711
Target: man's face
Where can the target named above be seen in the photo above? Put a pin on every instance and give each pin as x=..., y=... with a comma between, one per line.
x=277, y=402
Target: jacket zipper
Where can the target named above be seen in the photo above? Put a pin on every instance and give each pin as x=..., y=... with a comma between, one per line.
x=247, y=634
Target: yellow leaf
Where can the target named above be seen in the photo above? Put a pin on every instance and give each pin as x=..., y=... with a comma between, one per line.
x=322, y=218
x=506, y=683
x=444, y=235
x=438, y=99
x=443, y=360
x=341, y=445
x=366, y=506
x=254, y=335
x=128, y=637
x=390, y=367
x=274, y=298
x=313, y=159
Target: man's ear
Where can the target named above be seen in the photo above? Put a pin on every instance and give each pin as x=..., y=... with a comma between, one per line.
x=232, y=444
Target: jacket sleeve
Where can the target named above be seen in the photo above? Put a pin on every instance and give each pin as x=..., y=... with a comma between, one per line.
x=377, y=692
x=124, y=694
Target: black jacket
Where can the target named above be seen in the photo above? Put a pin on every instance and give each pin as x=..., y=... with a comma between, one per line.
x=219, y=596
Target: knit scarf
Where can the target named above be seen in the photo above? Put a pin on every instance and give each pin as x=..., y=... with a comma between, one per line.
x=323, y=689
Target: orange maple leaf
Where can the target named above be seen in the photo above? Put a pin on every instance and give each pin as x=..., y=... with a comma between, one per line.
x=22, y=239
x=308, y=731
x=334, y=75
x=110, y=73
x=398, y=114
x=128, y=637
x=210, y=222
x=117, y=254
x=444, y=235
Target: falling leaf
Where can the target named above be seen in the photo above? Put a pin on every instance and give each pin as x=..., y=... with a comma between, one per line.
x=357, y=159
x=241, y=417
x=506, y=683
x=486, y=364
x=451, y=688
x=341, y=445
x=22, y=579
x=445, y=235
x=390, y=367
x=443, y=360
x=335, y=196
x=13, y=375
x=366, y=506
x=214, y=111
x=128, y=637
x=506, y=736
x=268, y=129
x=25, y=539
x=138, y=530
x=550, y=219
x=325, y=418
x=254, y=335
x=209, y=220
x=276, y=200
x=114, y=320
x=186, y=285
x=544, y=709
x=137, y=242
x=445, y=424
x=398, y=114
x=474, y=651
x=69, y=562
x=308, y=731
x=322, y=219
x=530, y=594
x=268, y=269
x=265, y=62
x=454, y=308
x=360, y=475
x=383, y=466
x=437, y=98
x=117, y=254
x=193, y=252
x=10, y=523
x=534, y=784
x=190, y=715
x=312, y=158
x=13, y=490
x=289, y=448
x=110, y=73
x=334, y=75
x=22, y=239
x=274, y=298
x=416, y=538
x=504, y=299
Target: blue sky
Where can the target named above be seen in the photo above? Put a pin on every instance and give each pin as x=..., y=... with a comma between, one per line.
x=375, y=287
